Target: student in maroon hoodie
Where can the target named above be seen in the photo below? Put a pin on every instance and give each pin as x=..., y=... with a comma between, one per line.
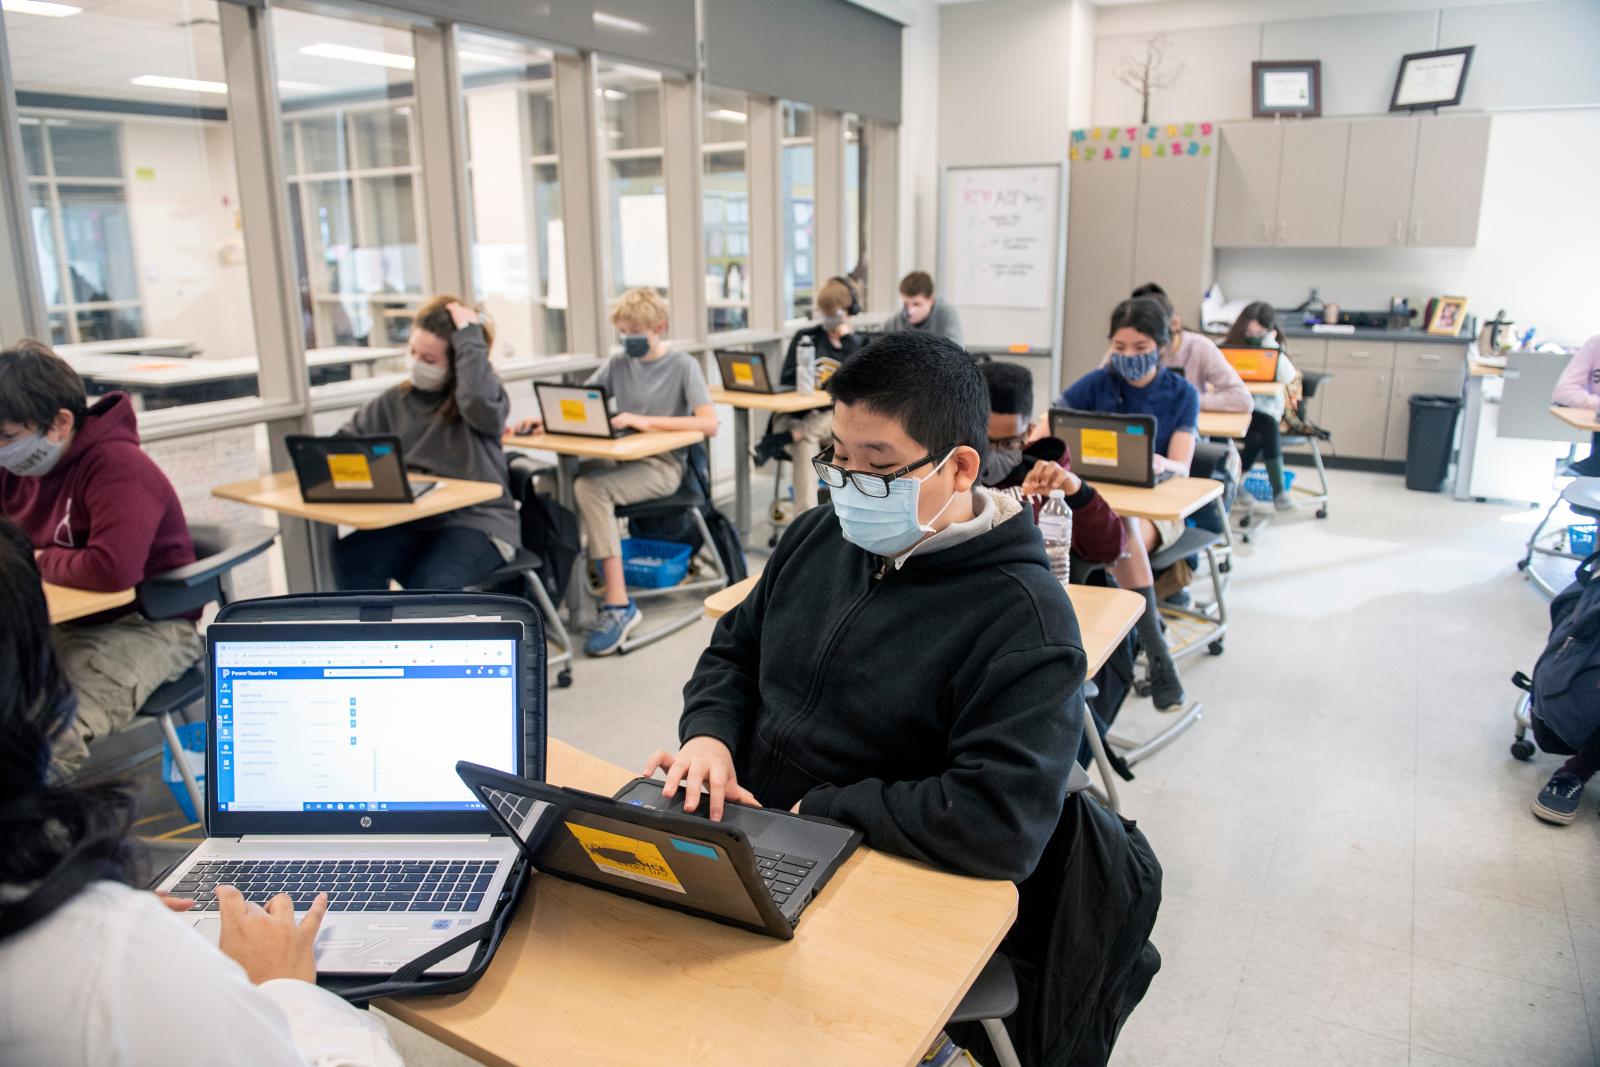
x=101, y=516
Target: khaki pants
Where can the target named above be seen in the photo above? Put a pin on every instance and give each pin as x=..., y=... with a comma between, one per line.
x=602, y=485
x=815, y=433
x=114, y=667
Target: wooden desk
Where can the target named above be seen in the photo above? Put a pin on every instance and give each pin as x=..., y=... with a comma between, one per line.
x=878, y=963
x=1577, y=418
x=1104, y=615
x=66, y=604
x=1175, y=498
x=743, y=404
x=1277, y=389
x=1224, y=423
x=622, y=449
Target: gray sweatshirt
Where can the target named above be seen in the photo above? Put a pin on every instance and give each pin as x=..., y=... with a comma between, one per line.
x=942, y=320
x=468, y=447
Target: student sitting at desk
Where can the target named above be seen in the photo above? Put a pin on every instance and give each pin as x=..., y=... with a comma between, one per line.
x=919, y=311
x=449, y=417
x=906, y=660
x=833, y=340
x=1579, y=386
x=94, y=971
x=1199, y=360
x=1257, y=326
x=1016, y=458
x=654, y=389
x=102, y=516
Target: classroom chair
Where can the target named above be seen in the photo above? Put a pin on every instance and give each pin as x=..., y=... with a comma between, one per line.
x=219, y=548
x=525, y=569
x=1582, y=495
x=1309, y=382
x=690, y=501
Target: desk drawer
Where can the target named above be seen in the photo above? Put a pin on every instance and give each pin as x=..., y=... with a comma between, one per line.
x=1307, y=353
x=1378, y=354
x=1420, y=355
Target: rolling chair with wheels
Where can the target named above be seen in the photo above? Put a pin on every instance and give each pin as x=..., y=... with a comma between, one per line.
x=525, y=567
x=692, y=497
x=219, y=548
x=1582, y=495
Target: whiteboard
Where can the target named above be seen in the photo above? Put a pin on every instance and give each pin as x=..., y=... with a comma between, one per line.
x=1001, y=249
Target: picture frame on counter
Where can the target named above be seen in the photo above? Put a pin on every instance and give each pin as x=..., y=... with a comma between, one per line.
x=1447, y=315
x=1431, y=79
x=1286, y=87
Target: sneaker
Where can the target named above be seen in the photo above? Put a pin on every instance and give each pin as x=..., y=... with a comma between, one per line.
x=1181, y=599
x=1166, y=688
x=615, y=624
x=1283, y=501
x=770, y=447
x=1558, y=801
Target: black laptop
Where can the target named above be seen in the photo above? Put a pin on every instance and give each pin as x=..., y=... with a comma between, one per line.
x=353, y=470
x=1116, y=449
x=748, y=372
x=756, y=869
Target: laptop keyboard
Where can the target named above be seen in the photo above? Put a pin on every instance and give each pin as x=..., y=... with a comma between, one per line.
x=351, y=885
x=782, y=872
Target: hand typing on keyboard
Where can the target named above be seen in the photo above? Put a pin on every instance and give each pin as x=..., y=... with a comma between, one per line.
x=267, y=942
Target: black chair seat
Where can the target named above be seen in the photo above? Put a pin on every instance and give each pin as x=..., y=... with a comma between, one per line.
x=187, y=689
x=521, y=563
x=1583, y=496
x=1193, y=542
x=683, y=500
x=992, y=996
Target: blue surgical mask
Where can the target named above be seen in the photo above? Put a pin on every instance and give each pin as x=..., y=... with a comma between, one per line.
x=637, y=345
x=1130, y=368
x=885, y=526
x=31, y=457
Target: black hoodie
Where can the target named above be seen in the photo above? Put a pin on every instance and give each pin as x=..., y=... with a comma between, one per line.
x=925, y=705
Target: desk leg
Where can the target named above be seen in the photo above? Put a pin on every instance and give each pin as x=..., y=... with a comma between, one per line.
x=580, y=607
x=308, y=554
x=741, y=470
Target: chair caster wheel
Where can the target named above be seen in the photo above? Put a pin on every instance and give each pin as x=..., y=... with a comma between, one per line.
x=1215, y=648
x=1244, y=523
x=772, y=542
x=1522, y=748
x=1322, y=513
x=1141, y=687
x=1227, y=565
x=1522, y=564
x=564, y=679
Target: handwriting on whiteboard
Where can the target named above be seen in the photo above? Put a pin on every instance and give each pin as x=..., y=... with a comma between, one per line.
x=1003, y=236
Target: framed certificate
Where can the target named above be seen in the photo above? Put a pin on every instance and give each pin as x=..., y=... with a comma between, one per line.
x=1431, y=79
x=1286, y=87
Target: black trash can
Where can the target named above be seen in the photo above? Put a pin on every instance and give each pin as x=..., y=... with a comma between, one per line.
x=1429, y=441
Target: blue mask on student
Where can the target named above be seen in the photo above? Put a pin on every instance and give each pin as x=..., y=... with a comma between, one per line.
x=1130, y=368
x=31, y=457
x=885, y=526
x=637, y=345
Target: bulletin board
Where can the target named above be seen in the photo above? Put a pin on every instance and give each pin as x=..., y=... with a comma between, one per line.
x=1002, y=254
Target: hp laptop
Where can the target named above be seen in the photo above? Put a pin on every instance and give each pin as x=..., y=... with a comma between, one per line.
x=747, y=372
x=580, y=410
x=330, y=768
x=1118, y=449
x=1253, y=364
x=353, y=470
x=756, y=869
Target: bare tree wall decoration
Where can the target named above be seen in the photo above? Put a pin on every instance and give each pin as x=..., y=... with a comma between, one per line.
x=1147, y=74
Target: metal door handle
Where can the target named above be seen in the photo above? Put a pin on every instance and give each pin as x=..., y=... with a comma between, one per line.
x=1399, y=231
x=1361, y=355
x=1283, y=232
x=1416, y=231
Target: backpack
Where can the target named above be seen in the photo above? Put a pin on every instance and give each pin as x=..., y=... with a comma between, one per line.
x=550, y=532
x=682, y=529
x=1566, y=677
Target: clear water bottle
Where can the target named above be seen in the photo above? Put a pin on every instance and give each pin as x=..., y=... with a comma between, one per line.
x=805, y=365
x=1055, y=524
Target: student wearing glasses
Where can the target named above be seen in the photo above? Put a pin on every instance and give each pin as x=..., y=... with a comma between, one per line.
x=906, y=662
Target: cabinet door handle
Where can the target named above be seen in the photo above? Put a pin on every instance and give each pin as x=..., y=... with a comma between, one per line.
x=1416, y=231
x=1399, y=231
x=1431, y=356
x=1361, y=355
x=1283, y=233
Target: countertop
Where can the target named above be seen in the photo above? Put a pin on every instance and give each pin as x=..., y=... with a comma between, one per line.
x=1361, y=334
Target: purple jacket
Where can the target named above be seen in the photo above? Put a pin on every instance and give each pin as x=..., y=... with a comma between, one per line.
x=1579, y=386
x=1202, y=363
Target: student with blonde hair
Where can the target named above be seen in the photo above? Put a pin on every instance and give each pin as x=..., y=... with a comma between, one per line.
x=449, y=415
x=654, y=389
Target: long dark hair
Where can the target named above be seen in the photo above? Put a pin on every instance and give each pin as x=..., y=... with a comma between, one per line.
x=54, y=839
x=1261, y=313
x=1145, y=315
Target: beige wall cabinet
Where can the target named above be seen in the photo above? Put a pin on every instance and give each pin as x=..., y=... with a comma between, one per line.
x=1131, y=222
x=1281, y=184
x=1366, y=404
x=1355, y=409
x=1415, y=181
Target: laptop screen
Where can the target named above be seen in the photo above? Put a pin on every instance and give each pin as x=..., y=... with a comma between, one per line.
x=340, y=725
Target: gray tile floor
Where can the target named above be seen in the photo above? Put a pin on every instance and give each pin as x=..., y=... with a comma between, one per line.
x=1352, y=873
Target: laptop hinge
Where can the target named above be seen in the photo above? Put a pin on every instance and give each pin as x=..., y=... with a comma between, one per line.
x=367, y=839
x=377, y=612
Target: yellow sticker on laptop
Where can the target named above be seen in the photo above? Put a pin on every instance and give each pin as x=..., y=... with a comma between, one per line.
x=627, y=857
x=349, y=470
x=743, y=374
x=1099, y=447
x=574, y=411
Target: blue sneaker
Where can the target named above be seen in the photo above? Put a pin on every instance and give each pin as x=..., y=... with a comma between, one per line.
x=615, y=624
x=1558, y=801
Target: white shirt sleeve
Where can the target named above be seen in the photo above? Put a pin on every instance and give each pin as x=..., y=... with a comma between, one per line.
x=172, y=997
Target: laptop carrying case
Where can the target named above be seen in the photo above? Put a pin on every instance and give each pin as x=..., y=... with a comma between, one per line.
x=422, y=606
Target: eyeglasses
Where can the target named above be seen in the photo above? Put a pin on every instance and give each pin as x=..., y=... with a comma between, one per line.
x=870, y=483
x=1014, y=441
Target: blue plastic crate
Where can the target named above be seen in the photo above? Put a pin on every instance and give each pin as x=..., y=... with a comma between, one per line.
x=648, y=564
x=1258, y=485
x=192, y=736
x=1580, y=538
